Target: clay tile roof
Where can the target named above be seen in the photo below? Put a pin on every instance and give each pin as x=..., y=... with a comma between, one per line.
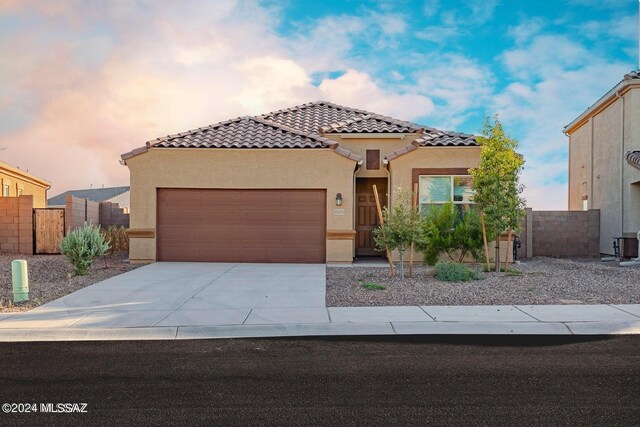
x=301, y=126
x=440, y=138
x=327, y=117
x=372, y=123
x=632, y=75
x=312, y=116
x=243, y=132
x=633, y=157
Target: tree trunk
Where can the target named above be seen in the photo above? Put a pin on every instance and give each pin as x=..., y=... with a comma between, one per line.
x=506, y=258
x=414, y=205
x=497, y=257
x=401, y=264
x=484, y=238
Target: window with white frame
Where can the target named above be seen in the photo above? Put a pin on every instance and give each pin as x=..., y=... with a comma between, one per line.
x=439, y=189
x=5, y=190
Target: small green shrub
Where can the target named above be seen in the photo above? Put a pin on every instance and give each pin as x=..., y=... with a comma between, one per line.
x=447, y=230
x=117, y=239
x=455, y=272
x=82, y=246
x=373, y=286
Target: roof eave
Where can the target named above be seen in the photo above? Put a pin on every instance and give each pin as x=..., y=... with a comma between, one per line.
x=607, y=99
x=133, y=153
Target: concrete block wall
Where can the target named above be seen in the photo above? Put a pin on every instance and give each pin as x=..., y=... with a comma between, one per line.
x=16, y=224
x=560, y=234
x=78, y=211
x=113, y=214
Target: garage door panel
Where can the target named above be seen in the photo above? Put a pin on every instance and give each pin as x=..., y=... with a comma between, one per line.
x=241, y=225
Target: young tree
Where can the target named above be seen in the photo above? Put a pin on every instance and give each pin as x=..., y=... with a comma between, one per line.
x=400, y=227
x=496, y=183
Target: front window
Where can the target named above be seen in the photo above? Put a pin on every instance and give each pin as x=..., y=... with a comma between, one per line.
x=5, y=190
x=439, y=189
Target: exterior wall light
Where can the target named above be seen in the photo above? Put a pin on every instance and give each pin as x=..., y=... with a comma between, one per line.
x=339, y=199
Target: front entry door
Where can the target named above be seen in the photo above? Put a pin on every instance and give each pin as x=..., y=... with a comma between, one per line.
x=366, y=213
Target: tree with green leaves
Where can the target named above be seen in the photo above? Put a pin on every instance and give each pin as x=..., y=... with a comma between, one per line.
x=400, y=228
x=496, y=182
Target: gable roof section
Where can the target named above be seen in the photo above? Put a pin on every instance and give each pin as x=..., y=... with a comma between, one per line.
x=327, y=117
x=629, y=81
x=244, y=132
x=633, y=157
x=93, y=194
x=437, y=138
x=23, y=175
x=372, y=123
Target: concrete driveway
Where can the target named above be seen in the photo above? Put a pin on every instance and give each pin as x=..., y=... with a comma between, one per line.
x=184, y=294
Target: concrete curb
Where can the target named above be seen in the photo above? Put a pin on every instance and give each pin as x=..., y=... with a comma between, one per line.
x=320, y=330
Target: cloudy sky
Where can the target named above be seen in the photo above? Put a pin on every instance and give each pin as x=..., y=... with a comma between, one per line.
x=83, y=81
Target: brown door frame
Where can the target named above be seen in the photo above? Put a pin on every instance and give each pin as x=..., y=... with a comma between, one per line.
x=371, y=212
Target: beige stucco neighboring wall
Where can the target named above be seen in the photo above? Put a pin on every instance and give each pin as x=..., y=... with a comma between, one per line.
x=631, y=174
x=596, y=156
x=18, y=179
x=580, y=167
x=607, y=173
x=239, y=168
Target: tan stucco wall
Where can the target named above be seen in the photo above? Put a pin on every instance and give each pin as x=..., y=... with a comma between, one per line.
x=610, y=181
x=579, y=166
x=429, y=157
x=237, y=168
x=386, y=146
x=30, y=188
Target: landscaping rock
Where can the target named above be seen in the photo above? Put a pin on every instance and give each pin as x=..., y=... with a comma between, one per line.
x=544, y=281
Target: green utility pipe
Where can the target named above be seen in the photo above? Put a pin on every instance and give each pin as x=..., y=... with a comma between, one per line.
x=20, y=280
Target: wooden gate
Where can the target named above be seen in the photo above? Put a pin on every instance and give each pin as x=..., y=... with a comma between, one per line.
x=49, y=230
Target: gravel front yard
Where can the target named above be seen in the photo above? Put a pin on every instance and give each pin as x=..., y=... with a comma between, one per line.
x=543, y=281
x=50, y=277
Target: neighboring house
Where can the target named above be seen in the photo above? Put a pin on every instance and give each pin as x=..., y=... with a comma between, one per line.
x=604, y=161
x=294, y=185
x=16, y=182
x=119, y=195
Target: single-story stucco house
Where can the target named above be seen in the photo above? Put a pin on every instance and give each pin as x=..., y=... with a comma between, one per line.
x=16, y=182
x=119, y=195
x=293, y=185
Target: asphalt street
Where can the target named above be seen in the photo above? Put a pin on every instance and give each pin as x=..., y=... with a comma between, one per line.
x=327, y=381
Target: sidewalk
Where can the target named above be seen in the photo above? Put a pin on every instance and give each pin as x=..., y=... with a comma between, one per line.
x=64, y=324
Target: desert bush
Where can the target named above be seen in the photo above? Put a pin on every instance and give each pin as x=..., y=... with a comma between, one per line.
x=445, y=230
x=82, y=246
x=455, y=272
x=117, y=239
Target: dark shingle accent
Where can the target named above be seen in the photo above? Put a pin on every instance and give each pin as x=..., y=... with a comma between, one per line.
x=633, y=157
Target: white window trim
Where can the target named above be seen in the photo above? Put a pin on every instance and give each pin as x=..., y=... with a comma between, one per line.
x=452, y=189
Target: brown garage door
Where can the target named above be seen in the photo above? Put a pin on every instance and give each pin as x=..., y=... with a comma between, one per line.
x=241, y=225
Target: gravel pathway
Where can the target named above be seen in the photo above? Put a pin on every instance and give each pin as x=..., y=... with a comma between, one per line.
x=51, y=277
x=543, y=281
